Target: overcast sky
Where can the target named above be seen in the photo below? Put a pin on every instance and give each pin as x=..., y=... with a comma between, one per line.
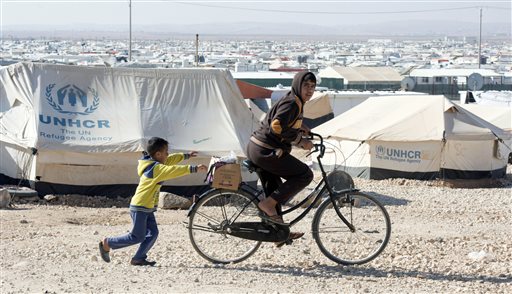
x=72, y=13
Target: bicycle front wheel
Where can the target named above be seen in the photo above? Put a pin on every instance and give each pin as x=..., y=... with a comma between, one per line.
x=338, y=242
x=209, y=223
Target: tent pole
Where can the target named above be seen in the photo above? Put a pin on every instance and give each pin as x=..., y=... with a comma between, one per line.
x=130, y=41
x=480, y=42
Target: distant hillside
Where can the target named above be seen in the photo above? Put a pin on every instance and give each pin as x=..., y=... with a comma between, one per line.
x=387, y=29
x=420, y=27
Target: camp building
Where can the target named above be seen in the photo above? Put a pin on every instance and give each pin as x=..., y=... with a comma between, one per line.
x=360, y=78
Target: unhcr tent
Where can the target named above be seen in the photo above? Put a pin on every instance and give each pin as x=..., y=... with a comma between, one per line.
x=500, y=116
x=317, y=110
x=418, y=137
x=69, y=129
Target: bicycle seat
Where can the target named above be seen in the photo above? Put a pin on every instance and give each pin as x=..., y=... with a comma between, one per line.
x=250, y=165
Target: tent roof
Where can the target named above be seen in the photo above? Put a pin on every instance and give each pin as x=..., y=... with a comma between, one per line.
x=318, y=106
x=263, y=75
x=194, y=109
x=253, y=91
x=500, y=116
x=407, y=118
x=365, y=74
x=451, y=72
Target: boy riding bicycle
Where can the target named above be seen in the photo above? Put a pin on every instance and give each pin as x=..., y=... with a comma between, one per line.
x=270, y=146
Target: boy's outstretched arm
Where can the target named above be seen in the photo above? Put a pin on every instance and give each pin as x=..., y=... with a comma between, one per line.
x=167, y=172
x=175, y=158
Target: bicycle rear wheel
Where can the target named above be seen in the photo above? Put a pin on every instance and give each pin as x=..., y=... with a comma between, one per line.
x=209, y=223
x=337, y=242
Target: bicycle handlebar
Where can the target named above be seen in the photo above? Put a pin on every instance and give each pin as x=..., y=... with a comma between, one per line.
x=318, y=146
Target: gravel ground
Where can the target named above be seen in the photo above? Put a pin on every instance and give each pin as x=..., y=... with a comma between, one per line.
x=443, y=240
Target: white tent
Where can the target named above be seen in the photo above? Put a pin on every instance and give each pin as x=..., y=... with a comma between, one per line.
x=255, y=109
x=500, y=116
x=496, y=98
x=420, y=137
x=317, y=110
x=89, y=125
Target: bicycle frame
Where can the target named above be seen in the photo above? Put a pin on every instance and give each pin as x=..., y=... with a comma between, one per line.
x=234, y=219
x=321, y=189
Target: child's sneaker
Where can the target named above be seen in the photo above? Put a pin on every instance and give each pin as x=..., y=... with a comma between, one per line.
x=142, y=262
x=105, y=255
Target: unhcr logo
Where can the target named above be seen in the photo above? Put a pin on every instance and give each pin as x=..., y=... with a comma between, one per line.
x=381, y=150
x=72, y=100
x=399, y=155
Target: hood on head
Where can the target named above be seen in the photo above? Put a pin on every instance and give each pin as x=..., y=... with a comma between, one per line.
x=298, y=79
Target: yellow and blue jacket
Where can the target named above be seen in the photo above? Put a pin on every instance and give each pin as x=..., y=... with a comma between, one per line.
x=152, y=175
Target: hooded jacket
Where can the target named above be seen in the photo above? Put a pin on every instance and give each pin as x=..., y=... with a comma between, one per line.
x=152, y=175
x=281, y=127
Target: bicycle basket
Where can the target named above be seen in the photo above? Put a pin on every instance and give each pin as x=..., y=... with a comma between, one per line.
x=340, y=180
x=224, y=175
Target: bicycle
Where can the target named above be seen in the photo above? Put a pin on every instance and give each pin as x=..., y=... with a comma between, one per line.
x=349, y=227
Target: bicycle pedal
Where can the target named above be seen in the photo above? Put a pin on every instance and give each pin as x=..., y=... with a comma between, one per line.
x=274, y=225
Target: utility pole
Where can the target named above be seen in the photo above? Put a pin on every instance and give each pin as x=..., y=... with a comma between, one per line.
x=197, y=50
x=130, y=45
x=480, y=41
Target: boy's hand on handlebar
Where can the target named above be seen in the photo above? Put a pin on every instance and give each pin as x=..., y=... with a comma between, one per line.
x=202, y=168
x=305, y=129
x=306, y=144
x=192, y=153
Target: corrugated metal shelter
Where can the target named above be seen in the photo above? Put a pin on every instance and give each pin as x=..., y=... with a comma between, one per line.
x=265, y=78
x=449, y=81
x=363, y=78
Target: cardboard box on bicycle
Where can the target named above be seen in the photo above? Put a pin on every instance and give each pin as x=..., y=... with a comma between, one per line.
x=227, y=176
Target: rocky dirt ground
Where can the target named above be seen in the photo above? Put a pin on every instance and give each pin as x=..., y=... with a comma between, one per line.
x=443, y=240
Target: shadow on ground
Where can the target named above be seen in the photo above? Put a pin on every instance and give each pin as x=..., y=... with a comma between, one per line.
x=388, y=200
x=337, y=271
